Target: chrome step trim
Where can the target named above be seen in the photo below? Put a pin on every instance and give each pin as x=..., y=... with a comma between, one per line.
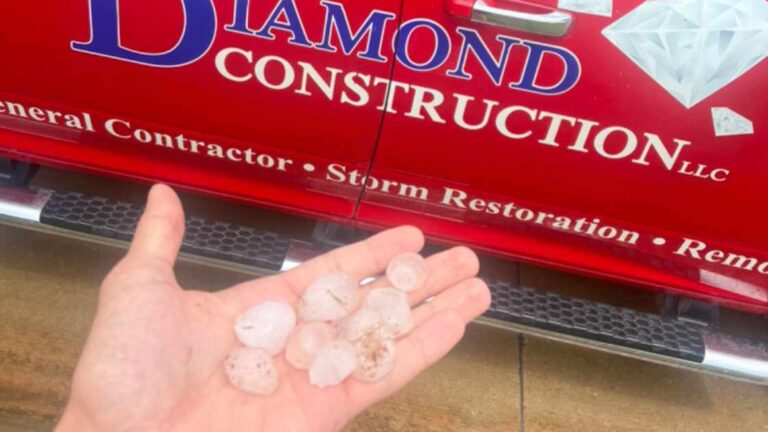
x=298, y=253
x=729, y=373
x=522, y=309
x=23, y=203
x=732, y=356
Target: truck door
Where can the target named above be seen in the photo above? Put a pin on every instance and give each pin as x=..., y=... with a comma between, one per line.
x=625, y=138
x=247, y=99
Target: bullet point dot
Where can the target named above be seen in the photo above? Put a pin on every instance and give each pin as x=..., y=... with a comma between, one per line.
x=308, y=167
x=658, y=241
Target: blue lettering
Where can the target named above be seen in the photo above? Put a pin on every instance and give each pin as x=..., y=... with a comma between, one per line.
x=442, y=45
x=336, y=18
x=570, y=76
x=291, y=24
x=196, y=39
x=240, y=20
x=494, y=68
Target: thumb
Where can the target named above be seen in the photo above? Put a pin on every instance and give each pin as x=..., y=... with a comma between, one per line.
x=161, y=228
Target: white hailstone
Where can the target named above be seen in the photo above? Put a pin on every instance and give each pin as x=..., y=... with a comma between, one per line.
x=266, y=326
x=393, y=307
x=407, y=271
x=306, y=341
x=333, y=364
x=252, y=370
x=329, y=298
x=375, y=357
x=361, y=323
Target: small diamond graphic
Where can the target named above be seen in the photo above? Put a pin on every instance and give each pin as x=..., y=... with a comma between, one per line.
x=593, y=7
x=730, y=123
x=693, y=48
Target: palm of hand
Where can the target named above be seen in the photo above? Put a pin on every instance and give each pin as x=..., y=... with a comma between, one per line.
x=153, y=361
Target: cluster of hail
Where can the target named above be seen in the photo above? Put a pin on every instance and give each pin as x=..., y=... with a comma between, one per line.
x=333, y=332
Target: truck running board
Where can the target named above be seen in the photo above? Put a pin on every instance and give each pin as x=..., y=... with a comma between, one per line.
x=527, y=310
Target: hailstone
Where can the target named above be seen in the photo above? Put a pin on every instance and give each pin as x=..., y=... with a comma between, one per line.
x=329, y=298
x=306, y=341
x=407, y=272
x=252, y=370
x=393, y=307
x=333, y=364
x=361, y=323
x=266, y=326
x=375, y=356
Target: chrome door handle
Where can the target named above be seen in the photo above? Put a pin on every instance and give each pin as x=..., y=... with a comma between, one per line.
x=516, y=15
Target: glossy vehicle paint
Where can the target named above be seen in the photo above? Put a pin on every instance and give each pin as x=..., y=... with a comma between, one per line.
x=560, y=151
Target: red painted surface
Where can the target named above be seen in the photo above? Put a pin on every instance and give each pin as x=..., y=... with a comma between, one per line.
x=41, y=70
x=459, y=8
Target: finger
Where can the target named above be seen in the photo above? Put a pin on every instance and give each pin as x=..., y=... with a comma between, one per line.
x=161, y=228
x=421, y=349
x=359, y=260
x=444, y=269
x=468, y=299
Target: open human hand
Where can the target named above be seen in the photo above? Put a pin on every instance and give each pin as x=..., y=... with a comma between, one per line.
x=154, y=358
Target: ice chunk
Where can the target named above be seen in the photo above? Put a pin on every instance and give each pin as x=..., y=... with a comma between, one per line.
x=252, y=370
x=333, y=364
x=306, y=341
x=266, y=326
x=693, y=48
x=329, y=298
x=593, y=7
x=361, y=323
x=393, y=307
x=730, y=123
x=407, y=272
x=375, y=356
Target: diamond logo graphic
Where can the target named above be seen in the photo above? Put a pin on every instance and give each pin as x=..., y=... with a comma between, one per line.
x=728, y=122
x=693, y=48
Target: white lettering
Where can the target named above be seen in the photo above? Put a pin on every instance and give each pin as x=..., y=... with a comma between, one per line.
x=454, y=197
x=37, y=114
x=691, y=248
x=221, y=64
x=336, y=173
x=667, y=158
x=503, y=117
x=310, y=73
x=420, y=103
x=629, y=145
x=288, y=74
x=459, y=115
x=363, y=97
x=110, y=127
x=554, y=127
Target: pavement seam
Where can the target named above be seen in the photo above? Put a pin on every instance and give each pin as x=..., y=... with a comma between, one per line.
x=521, y=376
x=520, y=365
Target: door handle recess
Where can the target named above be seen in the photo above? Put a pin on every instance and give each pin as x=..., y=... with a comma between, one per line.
x=514, y=14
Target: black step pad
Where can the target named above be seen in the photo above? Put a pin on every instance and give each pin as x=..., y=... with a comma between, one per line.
x=595, y=321
x=519, y=305
x=117, y=220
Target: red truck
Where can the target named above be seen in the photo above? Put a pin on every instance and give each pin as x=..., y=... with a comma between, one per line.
x=620, y=139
